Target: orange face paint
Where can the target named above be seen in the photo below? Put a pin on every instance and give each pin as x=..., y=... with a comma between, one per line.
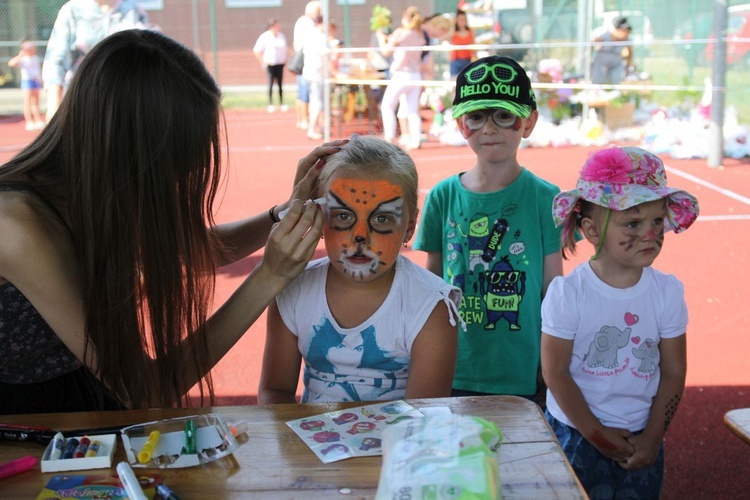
x=365, y=226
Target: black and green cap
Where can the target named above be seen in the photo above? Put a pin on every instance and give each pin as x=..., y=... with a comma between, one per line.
x=494, y=82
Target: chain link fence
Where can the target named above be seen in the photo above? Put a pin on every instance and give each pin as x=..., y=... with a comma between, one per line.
x=672, y=40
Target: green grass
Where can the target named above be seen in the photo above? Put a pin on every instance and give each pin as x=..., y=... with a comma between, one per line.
x=676, y=71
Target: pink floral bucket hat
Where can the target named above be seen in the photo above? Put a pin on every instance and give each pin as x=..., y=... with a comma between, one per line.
x=622, y=177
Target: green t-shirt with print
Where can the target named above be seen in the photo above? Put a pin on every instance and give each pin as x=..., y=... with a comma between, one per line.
x=493, y=247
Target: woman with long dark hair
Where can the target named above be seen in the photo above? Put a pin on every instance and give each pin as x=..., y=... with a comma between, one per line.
x=109, y=248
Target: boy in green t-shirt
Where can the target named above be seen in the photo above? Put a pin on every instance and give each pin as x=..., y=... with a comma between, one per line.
x=489, y=231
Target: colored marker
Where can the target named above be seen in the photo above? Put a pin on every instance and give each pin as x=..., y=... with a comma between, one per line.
x=166, y=493
x=148, y=448
x=130, y=482
x=93, y=449
x=70, y=448
x=83, y=445
x=41, y=435
x=190, y=438
x=318, y=201
x=57, y=446
x=16, y=466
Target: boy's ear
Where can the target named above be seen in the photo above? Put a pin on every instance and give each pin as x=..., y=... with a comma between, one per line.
x=529, y=123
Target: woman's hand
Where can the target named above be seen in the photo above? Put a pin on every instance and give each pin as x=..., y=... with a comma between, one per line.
x=308, y=169
x=292, y=241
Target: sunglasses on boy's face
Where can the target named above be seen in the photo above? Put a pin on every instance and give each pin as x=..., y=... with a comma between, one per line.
x=475, y=120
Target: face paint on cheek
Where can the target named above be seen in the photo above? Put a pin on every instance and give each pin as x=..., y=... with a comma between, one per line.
x=464, y=129
x=517, y=124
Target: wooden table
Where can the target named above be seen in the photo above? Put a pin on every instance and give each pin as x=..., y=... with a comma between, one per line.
x=738, y=422
x=274, y=463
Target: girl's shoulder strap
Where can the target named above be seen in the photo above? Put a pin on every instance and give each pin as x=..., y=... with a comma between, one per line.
x=22, y=186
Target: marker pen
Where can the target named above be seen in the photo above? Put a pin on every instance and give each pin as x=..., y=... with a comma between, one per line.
x=83, y=445
x=21, y=433
x=190, y=438
x=70, y=448
x=16, y=466
x=318, y=201
x=144, y=456
x=130, y=482
x=166, y=493
x=93, y=449
x=57, y=446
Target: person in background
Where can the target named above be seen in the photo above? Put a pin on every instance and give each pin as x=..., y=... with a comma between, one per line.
x=613, y=342
x=272, y=51
x=314, y=50
x=369, y=324
x=31, y=81
x=80, y=24
x=462, y=35
x=488, y=231
x=304, y=26
x=110, y=250
x=611, y=61
x=406, y=67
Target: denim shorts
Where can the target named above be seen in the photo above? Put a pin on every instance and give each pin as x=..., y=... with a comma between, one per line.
x=31, y=84
x=303, y=89
x=601, y=476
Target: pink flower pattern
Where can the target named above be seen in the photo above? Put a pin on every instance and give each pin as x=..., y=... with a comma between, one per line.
x=620, y=178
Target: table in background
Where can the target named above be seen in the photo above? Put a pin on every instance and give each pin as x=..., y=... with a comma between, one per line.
x=739, y=422
x=363, y=96
x=275, y=463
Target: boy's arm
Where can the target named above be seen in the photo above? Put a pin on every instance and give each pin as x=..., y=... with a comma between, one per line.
x=673, y=367
x=556, y=355
x=14, y=60
x=435, y=263
x=281, y=362
x=553, y=266
x=433, y=357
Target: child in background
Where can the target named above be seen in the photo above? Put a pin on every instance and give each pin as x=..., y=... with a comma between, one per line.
x=369, y=324
x=613, y=347
x=31, y=81
x=488, y=231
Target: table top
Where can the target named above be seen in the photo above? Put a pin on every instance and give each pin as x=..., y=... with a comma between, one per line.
x=739, y=422
x=274, y=463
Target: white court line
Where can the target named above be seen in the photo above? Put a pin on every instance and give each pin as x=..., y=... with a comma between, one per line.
x=698, y=180
x=713, y=187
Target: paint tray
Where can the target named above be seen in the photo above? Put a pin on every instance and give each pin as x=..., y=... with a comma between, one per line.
x=213, y=440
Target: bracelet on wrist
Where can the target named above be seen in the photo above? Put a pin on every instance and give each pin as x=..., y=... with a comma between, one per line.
x=271, y=214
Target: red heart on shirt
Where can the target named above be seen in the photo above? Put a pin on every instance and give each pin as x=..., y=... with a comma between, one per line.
x=636, y=340
x=631, y=319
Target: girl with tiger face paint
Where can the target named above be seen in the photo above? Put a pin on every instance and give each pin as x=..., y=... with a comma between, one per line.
x=369, y=324
x=366, y=223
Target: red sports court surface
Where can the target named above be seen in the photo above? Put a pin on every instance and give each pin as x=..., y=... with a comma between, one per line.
x=704, y=460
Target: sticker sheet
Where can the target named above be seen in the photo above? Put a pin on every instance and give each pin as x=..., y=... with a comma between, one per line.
x=354, y=432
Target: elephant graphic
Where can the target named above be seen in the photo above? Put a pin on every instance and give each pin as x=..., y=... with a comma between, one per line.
x=648, y=353
x=606, y=343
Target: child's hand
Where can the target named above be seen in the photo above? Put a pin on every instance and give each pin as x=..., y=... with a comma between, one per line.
x=613, y=443
x=646, y=452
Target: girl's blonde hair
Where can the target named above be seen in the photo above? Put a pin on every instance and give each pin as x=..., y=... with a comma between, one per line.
x=374, y=158
x=411, y=18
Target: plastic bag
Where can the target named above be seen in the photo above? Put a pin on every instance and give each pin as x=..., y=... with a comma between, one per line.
x=441, y=457
x=296, y=63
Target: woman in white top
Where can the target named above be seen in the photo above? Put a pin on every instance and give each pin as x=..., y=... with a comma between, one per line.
x=406, y=67
x=271, y=50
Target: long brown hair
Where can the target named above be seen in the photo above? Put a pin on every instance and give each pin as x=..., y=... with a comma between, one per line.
x=132, y=158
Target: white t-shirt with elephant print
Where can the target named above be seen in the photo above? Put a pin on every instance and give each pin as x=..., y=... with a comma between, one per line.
x=615, y=334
